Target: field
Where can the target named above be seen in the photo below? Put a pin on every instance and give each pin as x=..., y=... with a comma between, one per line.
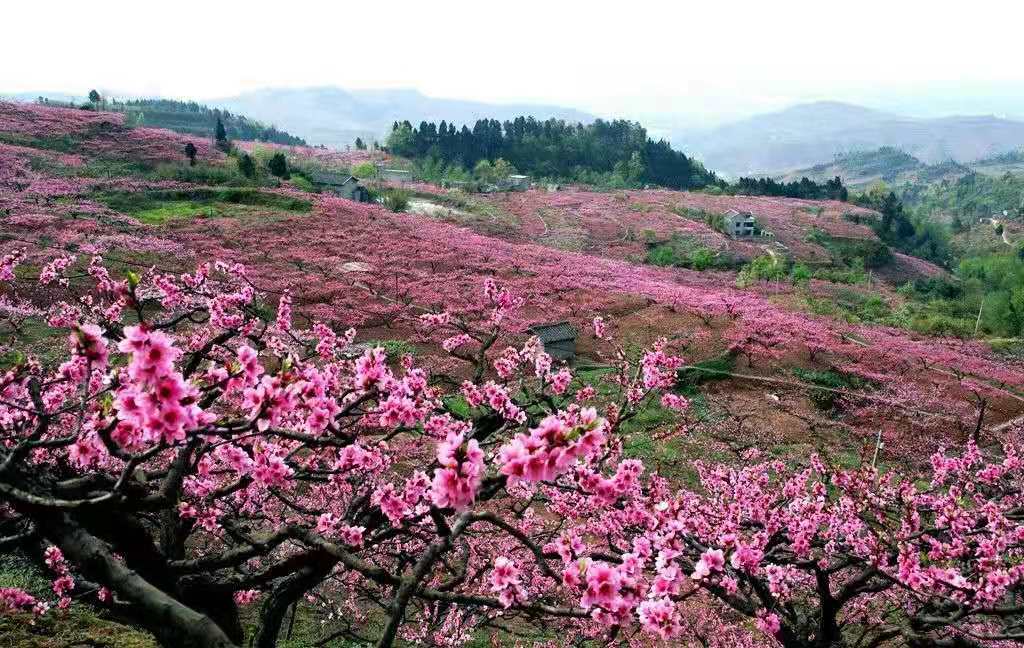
x=762, y=376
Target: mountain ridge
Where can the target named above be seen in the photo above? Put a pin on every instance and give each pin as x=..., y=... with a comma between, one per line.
x=805, y=134
x=335, y=116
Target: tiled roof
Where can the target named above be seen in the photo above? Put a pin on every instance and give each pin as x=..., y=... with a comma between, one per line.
x=557, y=332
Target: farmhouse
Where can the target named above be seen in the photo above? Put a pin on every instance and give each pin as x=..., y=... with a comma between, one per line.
x=739, y=223
x=345, y=186
x=395, y=175
x=558, y=339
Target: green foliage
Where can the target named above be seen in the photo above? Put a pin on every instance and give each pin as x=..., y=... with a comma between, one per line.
x=823, y=397
x=685, y=252
x=193, y=118
x=998, y=280
x=246, y=166
x=134, y=203
x=804, y=188
x=608, y=154
x=395, y=348
x=397, y=200
x=204, y=173
x=220, y=136
x=717, y=368
x=853, y=273
x=278, y=166
x=972, y=196
x=302, y=182
x=79, y=625
x=365, y=170
x=800, y=275
x=852, y=306
x=763, y=268
x=918, y=236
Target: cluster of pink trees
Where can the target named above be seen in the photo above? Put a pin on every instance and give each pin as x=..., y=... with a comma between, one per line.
x=614, y=224
x=99, y=134
x=344, y=252
x=195, y=453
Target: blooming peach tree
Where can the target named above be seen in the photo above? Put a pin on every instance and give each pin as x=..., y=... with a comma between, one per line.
x=195, y=454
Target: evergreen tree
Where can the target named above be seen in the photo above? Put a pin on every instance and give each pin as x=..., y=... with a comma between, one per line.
x=190, y=153
x=94, y=98
x=360, y=144
x=246, y=165
x=278, y=166
x=220, y=136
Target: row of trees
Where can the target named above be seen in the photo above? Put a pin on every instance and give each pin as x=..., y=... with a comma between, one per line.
x=803, y=188
x=915, y=235
x=554, y=148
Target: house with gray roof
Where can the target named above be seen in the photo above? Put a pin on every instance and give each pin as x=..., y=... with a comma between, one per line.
x=558, y=340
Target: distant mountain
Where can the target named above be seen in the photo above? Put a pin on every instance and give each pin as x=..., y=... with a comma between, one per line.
x=335, y=117
x=805, y=134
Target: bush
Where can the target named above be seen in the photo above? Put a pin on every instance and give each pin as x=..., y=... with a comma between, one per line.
x=397, y=200
x=684, y=252
x=364, y=170
x=246, y=166
x=278, y=166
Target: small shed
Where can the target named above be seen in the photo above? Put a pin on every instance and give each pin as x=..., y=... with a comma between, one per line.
x=518, y=182
x=345, y=186
x=395, y=175
x=739, y=223
x=558, y=340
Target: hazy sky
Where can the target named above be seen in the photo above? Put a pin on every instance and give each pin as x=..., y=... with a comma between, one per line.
x=698, y=59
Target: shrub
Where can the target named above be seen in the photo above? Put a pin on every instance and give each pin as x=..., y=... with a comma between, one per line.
x=397, y=200
x=364, y=170
x=278, y=166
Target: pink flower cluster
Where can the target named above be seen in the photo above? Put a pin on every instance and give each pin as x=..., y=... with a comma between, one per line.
x=154, y=403
x=506, y=582
x=457, y=480
x=552, y=447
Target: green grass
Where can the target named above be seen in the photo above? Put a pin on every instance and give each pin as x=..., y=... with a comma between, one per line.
x=79, y=625
x=395, y=348
x=176, y=209
x=718, y=368
x=157, y=207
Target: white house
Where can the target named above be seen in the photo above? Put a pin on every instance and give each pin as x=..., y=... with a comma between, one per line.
x=739, y=223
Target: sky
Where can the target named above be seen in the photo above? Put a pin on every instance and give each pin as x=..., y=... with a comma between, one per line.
x=687, y=61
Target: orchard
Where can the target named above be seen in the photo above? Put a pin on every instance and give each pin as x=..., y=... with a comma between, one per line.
x=196, y=459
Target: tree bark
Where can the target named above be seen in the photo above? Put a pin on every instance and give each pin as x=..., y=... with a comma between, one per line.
x=171, y=622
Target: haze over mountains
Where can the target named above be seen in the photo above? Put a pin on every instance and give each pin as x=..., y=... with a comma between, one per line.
x=773, y=143
x=806, y=134
x=335, y=117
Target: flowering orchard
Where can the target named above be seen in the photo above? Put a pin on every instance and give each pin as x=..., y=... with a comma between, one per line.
x=194, y=455
x=98, y=134
x=615, y=224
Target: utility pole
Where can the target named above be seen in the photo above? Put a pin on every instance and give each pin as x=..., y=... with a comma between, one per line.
x=978, y=322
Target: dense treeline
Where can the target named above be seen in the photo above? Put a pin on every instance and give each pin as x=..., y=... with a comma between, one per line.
x=803, y=188
x=605, y=152
x=196, y=119
x=914, y=235
x=970, y=197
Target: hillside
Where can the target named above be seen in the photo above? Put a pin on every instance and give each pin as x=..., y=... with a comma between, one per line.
x=336, y=117
x=806, y=134
x=194, y=118
x=861, y=169
x=272, y=402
